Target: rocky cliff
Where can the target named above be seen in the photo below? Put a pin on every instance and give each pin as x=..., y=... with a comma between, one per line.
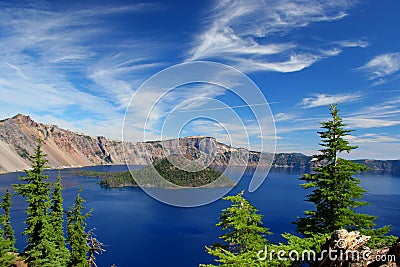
x=65, y=148
x=18, y=137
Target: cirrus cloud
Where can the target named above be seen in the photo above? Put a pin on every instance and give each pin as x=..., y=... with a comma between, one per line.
x=318, y=100
x=240, y=32
x=382, y=66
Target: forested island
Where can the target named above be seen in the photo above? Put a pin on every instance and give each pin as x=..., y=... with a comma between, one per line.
x=207, y=177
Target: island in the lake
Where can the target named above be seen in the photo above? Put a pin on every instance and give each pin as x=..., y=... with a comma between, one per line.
x=206, y=177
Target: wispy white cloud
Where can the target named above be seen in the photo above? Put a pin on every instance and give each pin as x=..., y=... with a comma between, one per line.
x=240, y=31
x=116, y=76
x=373, y=138
x=222, y=41
x=390, y=107
x=318, y=100
x=384, y=151
x=358, y=122
x=293, y=63
x=382, y=114
x=283, y=117
x=382, y=66
x=296, y=127
x=59, y=65
x=65, y=65
x=375, y=146
x=354, y=43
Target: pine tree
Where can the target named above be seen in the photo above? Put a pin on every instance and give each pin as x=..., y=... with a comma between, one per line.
x=244, y=237
x=77, y=235
x=40, y=249
x=335, y=192
x=7, y=238
x=56, y=220
x=6, y=220
x=7, y=258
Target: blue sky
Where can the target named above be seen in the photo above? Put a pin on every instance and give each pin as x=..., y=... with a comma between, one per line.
x=77, y=65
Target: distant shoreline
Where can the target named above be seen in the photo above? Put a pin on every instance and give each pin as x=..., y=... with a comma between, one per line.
x=284, y=169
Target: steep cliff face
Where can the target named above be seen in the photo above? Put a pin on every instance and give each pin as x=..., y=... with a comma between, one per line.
x=63, y=147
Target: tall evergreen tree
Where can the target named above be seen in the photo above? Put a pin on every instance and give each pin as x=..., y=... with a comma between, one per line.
x=335, y=192
x=40, y=249
x=77, y=235
x=6, y=220
x=56, y=220
x=7, y=258
x=244, y=237
x=7, y=239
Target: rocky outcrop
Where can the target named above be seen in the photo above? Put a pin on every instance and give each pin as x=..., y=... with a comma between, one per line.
x=64, y=148
x=349, y=249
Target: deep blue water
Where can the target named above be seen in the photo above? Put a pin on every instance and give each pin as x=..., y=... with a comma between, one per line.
x=141, y=231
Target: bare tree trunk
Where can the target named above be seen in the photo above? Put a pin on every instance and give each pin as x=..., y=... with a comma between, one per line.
x=95, y=247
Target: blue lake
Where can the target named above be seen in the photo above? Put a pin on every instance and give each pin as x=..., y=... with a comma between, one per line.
x=140, y=231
